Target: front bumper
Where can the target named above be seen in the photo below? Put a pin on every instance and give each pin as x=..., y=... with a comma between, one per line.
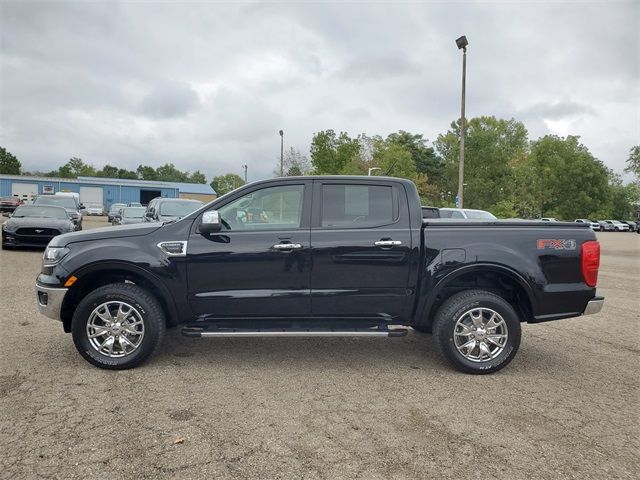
x=50, y=301
x=594, y=306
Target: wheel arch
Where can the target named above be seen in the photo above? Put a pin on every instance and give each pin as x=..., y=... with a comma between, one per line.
x=495, y=278
x=97, y=275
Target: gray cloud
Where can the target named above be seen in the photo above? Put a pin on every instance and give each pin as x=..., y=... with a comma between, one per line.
x=556, y=110
x=208, y=85
x=169, y=100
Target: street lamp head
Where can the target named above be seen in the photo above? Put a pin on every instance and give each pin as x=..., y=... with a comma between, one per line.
x=281, y=133
x=462, y=43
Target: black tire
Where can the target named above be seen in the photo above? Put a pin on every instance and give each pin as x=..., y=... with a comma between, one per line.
x=445, y=323
x=150, y=312
x=423, y=328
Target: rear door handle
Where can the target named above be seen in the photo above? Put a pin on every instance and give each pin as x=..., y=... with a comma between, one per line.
x=287, y=246
x=387, y=243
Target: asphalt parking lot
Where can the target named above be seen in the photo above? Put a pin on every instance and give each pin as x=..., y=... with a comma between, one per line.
x=567, y=406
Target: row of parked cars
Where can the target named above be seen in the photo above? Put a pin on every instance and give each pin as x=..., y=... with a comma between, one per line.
x=35, y=224
x=611, y=225
x=158, y=210
x=468, y=213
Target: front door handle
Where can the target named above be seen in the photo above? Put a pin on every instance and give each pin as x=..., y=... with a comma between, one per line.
x=287, y=246
x=387, y=243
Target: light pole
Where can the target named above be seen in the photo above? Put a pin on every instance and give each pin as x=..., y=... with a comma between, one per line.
x=281, y=153
x=462, y=45
x=245, y=173
x=372, y=169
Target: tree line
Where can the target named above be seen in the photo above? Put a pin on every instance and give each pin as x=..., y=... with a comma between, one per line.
x=76, y=167
x=505, y=172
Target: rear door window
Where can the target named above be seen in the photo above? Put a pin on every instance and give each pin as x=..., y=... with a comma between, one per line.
x=358, y=206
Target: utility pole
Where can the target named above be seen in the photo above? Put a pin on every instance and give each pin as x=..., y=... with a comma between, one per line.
x=245, y=173
x=462, y=45
x=281, y=153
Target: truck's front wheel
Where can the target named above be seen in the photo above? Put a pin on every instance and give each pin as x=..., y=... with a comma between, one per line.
x=118, y=326
x=477, y=331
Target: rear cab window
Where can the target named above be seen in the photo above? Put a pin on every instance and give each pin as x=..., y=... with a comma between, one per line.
x=358, y=206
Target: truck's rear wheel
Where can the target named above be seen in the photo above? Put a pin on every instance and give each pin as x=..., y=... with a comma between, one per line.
x=477, y=331
x=118, y=326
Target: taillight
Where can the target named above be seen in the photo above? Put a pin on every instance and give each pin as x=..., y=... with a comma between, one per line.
x=590, y=262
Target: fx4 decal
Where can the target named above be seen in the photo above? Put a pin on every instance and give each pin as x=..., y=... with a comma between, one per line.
x=556, y=244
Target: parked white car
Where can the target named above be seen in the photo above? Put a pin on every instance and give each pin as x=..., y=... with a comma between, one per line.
x=594, y=225
x=467, y=213
x=618, y=226
x=94, y=209
x=548, y=219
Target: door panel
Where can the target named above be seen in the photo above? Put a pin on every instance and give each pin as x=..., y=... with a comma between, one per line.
x=258, y=265
x=353, y=272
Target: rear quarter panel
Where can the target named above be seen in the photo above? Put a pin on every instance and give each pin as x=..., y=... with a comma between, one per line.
x=544, y=258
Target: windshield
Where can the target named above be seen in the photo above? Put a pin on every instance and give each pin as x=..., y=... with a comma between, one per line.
x=178, y=208
x=116, y=206
x=479, y=214
x=40, y=212
x=133, y=212
x=66, y=202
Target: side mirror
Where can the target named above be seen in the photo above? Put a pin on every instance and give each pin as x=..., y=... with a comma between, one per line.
x=149, y=213
x=6, y=214
x=210, y=222
x=82, y=207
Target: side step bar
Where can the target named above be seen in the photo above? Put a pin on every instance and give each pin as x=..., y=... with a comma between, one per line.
x=203, y=332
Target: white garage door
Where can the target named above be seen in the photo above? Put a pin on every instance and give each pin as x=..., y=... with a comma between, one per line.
x=90, y=195
x=24, y=191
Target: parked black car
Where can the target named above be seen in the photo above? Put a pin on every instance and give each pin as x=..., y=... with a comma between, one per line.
x=318, y=256
x=169, y=209
x=633, y=226
x=129, y=216
x=69, y=203
x=35, y=226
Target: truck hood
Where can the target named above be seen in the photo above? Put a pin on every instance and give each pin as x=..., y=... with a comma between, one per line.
x=106, y=232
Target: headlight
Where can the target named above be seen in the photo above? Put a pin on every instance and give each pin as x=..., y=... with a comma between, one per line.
x=53, y=255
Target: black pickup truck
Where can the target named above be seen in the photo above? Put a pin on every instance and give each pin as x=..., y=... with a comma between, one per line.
x=318, y=256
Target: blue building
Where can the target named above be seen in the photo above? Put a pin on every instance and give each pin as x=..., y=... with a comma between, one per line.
x=102, y=190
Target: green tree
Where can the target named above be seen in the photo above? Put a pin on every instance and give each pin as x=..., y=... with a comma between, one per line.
x=423, y=156
x=492, y=148
x=169, y=173
x=633, y=162
x=76, y=167
x=197, y=177
x=394, y=160
x=108, y=171
x=223, y=184
x=565, y=180
x=331, y=153
x=129, y=174
x=146, y=172
x=624, y=198
x=9, y=164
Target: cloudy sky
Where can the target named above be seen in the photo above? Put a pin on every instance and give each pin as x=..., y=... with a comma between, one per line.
x=207, y=85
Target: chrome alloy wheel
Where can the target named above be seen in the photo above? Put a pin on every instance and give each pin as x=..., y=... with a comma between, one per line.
x=115, y=329
x=480, y=334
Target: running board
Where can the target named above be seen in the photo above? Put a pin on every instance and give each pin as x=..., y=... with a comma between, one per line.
x=198, y=331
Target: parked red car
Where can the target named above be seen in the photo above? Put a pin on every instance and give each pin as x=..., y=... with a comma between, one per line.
x=9, y=204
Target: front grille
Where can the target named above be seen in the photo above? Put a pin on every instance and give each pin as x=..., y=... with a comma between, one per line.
x=38, y=232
